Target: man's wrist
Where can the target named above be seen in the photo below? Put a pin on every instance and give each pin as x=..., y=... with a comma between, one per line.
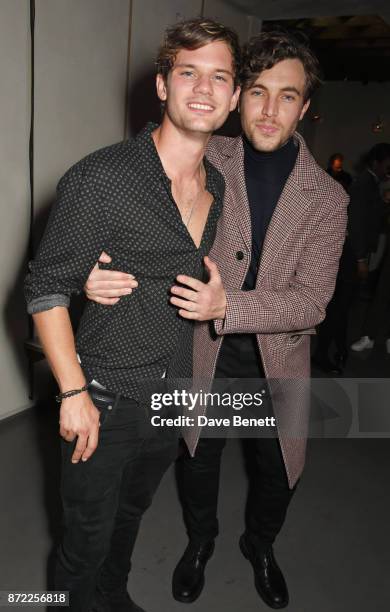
x=70, y=393
x=70, y=383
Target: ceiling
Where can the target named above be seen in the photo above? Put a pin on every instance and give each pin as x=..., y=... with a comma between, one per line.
x=353, y=48
x=295, y=9
x=350, y=38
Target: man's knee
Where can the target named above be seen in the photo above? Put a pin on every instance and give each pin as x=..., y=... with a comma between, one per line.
x=85, y=552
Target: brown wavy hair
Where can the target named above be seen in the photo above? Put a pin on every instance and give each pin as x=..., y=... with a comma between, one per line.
x=193, y=34
x=267, y=49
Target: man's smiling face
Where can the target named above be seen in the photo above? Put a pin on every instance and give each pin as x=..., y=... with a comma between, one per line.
x=274, y=104
x=199, y=91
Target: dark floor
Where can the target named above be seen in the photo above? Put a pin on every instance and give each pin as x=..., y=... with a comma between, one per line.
x=334, y=548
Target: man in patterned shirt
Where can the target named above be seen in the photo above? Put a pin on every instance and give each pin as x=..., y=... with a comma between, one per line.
x=273, y=270
x=153, y=203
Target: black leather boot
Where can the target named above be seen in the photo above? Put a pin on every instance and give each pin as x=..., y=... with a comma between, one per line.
x=188, y=577
x=269, y=581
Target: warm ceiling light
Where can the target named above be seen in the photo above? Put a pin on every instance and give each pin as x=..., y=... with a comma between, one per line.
x=377, y=127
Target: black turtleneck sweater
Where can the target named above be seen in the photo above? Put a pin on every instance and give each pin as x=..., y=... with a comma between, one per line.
x=265, y=177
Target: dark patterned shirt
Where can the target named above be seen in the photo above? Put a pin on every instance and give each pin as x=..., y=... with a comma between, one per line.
x=119, y=200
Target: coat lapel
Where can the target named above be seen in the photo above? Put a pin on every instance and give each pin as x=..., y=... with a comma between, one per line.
x=236, y=194
x=291, y=207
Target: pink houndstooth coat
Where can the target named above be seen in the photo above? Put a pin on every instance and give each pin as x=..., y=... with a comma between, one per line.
x=295, y=281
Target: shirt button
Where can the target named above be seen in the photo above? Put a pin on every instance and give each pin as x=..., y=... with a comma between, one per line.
x=239, y=255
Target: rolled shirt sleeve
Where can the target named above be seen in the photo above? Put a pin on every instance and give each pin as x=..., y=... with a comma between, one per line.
x=75, y=236
x=46, y=302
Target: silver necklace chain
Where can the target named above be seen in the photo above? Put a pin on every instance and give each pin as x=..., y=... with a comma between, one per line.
x=193, y=207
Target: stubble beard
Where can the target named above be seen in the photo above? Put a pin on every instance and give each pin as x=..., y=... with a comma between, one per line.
x=264, y=144
x=268, y=145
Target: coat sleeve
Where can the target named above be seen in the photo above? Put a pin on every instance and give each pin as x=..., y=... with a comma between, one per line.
x=73, y=240
x=302, y=305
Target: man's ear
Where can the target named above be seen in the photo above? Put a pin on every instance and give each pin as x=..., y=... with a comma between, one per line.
x=161, y=87
x=240, y=99
x=235, y=99
x=304, y=109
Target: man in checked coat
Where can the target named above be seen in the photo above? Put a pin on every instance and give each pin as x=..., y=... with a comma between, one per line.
x=272, y=271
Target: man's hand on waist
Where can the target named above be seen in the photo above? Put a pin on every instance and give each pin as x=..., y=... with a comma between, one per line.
x=201, y=301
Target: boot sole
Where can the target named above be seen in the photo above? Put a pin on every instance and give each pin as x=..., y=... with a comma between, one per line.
x=192, y=597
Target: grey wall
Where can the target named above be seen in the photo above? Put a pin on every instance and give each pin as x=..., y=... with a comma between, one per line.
x=14, y=118
x=148, y=21
x=243, y=23
x=81, y=75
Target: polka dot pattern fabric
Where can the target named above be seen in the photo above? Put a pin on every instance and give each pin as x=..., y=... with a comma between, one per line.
x=119, y=200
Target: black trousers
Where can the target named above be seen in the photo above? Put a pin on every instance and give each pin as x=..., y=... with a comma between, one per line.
x=334, y=328
x=104, y=500
x=378, y=313
x=198, y=477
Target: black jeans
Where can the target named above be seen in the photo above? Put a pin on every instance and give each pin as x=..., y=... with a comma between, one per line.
x=105, y=498
x=198, y=477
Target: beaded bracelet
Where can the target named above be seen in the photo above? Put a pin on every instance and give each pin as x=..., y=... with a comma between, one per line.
x=66, y=394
